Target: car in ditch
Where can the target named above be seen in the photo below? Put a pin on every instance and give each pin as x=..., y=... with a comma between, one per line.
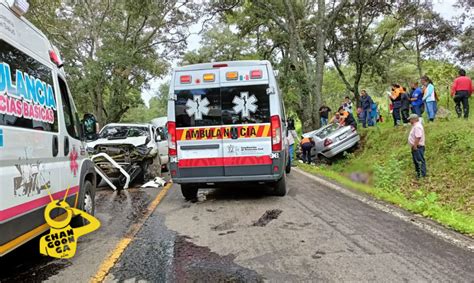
x=133, y=146
x=332, y=140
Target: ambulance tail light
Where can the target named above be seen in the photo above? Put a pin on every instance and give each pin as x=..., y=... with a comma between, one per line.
x=276, y=133
x=172, y=139
x=209, y=77
x=186, y=79
x=232, y=76
x=256, y=74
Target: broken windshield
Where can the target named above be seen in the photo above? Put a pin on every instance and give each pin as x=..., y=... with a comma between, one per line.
x=122, y=132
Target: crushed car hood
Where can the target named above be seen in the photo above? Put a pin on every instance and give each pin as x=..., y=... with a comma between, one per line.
x=135, y=141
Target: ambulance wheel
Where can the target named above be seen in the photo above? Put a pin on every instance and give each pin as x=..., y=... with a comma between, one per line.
x=189, y=191
x=86, y=203
x=279, y=187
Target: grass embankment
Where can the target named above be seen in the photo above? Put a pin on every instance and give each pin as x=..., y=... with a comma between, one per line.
x=384, y=160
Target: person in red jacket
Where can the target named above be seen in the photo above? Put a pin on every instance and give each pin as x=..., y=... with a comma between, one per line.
x=461, y=91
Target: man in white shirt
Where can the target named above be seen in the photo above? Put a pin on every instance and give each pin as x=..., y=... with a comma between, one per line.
x=416, y=139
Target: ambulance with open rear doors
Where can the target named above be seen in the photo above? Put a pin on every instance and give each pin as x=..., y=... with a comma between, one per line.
x=226, y=123
x=40, y=135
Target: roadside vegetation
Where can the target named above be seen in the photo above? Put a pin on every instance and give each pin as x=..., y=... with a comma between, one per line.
x=382, y=167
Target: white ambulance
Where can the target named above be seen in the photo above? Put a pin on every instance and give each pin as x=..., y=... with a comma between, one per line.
x=40, y=133
x=226, y=123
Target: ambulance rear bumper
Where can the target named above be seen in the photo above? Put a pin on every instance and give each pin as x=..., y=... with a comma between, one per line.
x=227, y=179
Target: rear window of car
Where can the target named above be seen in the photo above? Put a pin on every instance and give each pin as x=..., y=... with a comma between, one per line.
x=222, y=106
x=27, y=95
x=327, y=131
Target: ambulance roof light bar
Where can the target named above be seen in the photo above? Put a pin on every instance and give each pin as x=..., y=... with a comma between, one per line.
x=55, y=59
x=219, y=65
x=20, y=7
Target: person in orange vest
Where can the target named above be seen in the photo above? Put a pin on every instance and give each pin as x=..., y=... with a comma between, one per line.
x=306, y=146
x=396, y=98
x=346, y=118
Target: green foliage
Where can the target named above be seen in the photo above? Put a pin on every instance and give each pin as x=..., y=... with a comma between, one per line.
x=387, y=176
x=112, y=49
x=157, y=108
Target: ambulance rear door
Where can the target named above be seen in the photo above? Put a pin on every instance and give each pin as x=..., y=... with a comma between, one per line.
x=198, y=123
x=247, y=143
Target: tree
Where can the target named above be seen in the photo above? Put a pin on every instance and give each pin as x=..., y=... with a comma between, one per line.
x=113, y=48
x=220, y=43
x=358, y=37
x=465, y=49
x=424, y=29
x=158, y=107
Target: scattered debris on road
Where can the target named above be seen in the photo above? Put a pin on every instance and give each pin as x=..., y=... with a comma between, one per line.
x=155, y=183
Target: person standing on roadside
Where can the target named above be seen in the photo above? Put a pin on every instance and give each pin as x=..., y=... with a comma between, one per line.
x=416, y=139
x=306, y=146
x=324, y=114
x=416, y=98
x=395, y=97
x=347, y=105
x=461, y=91
x=429, y=98
x=366, y=103
x=405, y=108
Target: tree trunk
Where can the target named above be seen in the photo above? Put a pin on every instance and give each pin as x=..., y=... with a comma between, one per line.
x=319, y=76
x=418, y=56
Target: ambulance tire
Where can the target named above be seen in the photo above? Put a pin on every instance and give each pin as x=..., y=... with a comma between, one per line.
x=189, y=191
x=279, y=187
x=86, y=202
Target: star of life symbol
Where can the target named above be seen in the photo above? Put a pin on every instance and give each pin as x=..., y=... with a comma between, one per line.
x=245, y=104
x=197, y=107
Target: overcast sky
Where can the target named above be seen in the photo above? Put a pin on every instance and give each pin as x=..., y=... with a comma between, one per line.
x=444, y=7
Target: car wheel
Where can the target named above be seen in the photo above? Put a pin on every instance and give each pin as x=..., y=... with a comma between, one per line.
x=144, y=172
x=279, y=187
x=189, y=191
x=86, y=203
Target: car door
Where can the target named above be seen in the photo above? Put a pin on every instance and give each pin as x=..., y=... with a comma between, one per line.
x=247, y=141
x=71, y=148
x=30, y=163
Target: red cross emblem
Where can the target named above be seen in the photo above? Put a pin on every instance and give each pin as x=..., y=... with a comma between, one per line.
x=73, y=163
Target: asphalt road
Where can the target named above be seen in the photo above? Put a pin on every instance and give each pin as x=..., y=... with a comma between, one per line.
x=235, y=234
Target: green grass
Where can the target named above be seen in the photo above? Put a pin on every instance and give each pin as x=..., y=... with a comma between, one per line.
x=446, y=195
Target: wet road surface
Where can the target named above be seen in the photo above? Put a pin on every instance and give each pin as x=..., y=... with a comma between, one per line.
x=116, y=210
x=313, y=234
x=240, y=234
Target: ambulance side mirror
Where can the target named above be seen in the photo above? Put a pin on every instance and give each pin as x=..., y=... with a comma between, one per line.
x=89, y=127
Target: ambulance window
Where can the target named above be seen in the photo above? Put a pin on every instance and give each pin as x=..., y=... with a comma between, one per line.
x=29, y=100
x=70, y=116
x=245, y=104
x=198, y=107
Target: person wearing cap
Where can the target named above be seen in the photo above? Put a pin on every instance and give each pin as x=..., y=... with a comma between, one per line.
x=416, y=139
x=461, y=90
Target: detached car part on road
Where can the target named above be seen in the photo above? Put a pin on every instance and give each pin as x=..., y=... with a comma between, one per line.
x=226, y=123
x=41, y=147
x=134, y=147
x=332, y=140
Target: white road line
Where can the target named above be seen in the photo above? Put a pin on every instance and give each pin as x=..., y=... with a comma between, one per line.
x=419, y=221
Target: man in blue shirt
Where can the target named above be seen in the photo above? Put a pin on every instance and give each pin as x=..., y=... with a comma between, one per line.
x=416, y=98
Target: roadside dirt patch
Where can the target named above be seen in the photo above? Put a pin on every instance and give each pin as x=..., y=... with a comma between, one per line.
x=268, y=216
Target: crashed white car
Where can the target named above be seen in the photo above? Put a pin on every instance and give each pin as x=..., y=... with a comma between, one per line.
x=133, y=146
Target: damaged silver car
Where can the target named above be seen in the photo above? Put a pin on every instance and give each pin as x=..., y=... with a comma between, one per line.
x=133, y=146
